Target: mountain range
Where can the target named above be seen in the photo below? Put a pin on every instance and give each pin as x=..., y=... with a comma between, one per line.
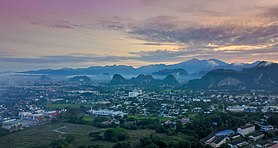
x=191, y=67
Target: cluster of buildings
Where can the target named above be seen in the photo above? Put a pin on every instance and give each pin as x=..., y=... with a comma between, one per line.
x=245, y=136
x=28, y=119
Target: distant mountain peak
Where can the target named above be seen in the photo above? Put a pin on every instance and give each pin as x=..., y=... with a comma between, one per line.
x=264, y=63
x=82, y=78
x=118, y=79
x=178, y=71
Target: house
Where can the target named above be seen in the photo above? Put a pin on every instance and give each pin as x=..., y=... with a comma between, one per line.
x=11, y=125
x=263, y=144
x=184, y=121
x=218, y=141
x=256, y=136
x=238, y=143
x=266, y=128
x=197, y=109
x=208, y=138
x=245, y=130
x=236, y=108
x=234, y=136
x=214, y=140
x=275, y=140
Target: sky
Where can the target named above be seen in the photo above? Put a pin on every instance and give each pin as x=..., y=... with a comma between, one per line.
x=36, y=34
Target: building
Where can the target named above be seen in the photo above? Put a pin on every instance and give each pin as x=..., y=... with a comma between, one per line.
x=256, y=136
x=263, y=144
x=184, y=121
x=51, y=114
x=30, y=116
x=234, y=136
x=135, y=93
x=105, y=112
x=214, y=140
x=225, y=133
x=266, y=128
x=238, y=143
x=245, y=130
x=11, y=125
x=236, y=108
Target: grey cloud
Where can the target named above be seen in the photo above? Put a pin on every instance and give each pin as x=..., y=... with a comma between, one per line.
x=182, y=54
x=220, y=35
x=62, y=59
x=271, y=12
x=62, y=24
x=168, y=29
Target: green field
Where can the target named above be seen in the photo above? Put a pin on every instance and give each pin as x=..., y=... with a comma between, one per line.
x=61, y=106
x=138, y=117
x=43, y=135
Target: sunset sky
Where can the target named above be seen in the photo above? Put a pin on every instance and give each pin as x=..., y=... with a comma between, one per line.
x=37, y=34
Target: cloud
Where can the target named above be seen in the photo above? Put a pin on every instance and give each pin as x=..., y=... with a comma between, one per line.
x=76, y=58
x=218, y=34
x=62, y=24
x=224, y=40
x=54, y=24
x=271, y=12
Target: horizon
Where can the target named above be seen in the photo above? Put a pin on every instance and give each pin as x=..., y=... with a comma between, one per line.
x=133, y=66
x=40, y=35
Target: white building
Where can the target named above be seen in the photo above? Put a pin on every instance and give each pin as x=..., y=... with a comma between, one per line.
x=105, y=112
x=135, y=93
x=245, y=130
x=235, y=108
x=29, y=116
x=11, y=125
x=266, y=128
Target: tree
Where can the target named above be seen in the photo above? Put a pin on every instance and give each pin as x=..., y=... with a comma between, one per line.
x=273, y=120
x=70, y=138
x=122, y=145
x=160, y=129
x=117, y=134
x=3, y=132
x=144, y=141
x=152, y=145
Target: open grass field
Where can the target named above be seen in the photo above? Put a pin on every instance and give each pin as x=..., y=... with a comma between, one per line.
x=149, y=117
x=43, y=135
x=61, y=106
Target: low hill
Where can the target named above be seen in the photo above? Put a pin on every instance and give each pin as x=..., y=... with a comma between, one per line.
x=83, y=79
x=144, y=80
x=261, y=77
